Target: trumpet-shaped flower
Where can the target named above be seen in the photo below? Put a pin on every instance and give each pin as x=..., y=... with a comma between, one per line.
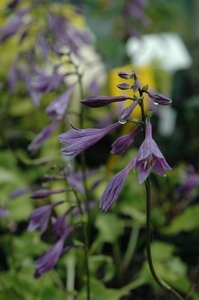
x=149, y=157
x=57, y=108
x=78, y=140
x=48, y=259
x=122, y=143
x=40, y=216
x=114, y=187
x=42, y=136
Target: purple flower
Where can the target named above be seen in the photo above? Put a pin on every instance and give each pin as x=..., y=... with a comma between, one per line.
x=124, y=86
x=136, y=85
x=190, y=181
x=75, y=180
x=13, y=76
x=48, y=259
x=3, y=212
x=159, y=99
x=40, y=216
x=122, y=143
x=126, y=113
x=21, y=191
x=12, y=26
x=114, y=187
x=57, y=107
x=45, y=193
x=124, y=75
x=42, y=136
x=78, y=140
x=46, y=83
x=60, y=225
x=99, y=101
x=149, y=157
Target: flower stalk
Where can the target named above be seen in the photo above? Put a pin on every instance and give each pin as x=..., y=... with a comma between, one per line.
x=161, y=282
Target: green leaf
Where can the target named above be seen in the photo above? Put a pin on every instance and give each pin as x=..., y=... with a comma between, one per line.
x=110, y=227
x=99, y=292
x=96, y=261
x=187, y=221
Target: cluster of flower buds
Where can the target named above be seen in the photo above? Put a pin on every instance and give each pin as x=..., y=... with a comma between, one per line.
x=148, y=158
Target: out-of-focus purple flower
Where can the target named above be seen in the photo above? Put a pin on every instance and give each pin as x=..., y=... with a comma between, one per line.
x=45, y=193
x=123, y=142
x=78, y=140
x=13, y=76
x=135, y=9
x=85, y=208
x=42, y=136
x=99, y=101
x=21, y=191
x=60, y=225
x=39, y=218
x=159, y=99
x=3, y=212
x=43, y=44
x=46, y=83
x=149, y=157
x=48, y=260
x=57, y=108
x=66, y=34
x=190, y=181
x=12, y=26
x=126, y=113
x=114, y=187
x=75, y=180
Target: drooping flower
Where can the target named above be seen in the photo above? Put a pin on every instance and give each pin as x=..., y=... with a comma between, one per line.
x=99, y=101
x=159, y=99
x=114, y=187
x=78, y=140
x=75, y=179
x=3, y=212
x=48, y=259
x=123, y=142
x=21, y=191
x=40, y=216
x=57, y=108
x=191, y=180
x=45, y=193
x=60, y=224
x=46, y=83
x=42, y=136
x=149, y=157
x=12, y=26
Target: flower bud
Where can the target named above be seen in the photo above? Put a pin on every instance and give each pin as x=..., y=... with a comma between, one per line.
x=124, y=86
x=100, y=101
x=159, y=99
x=124, y=75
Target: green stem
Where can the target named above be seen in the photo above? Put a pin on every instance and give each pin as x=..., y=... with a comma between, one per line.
x=161, y=282
x=85, y=246
x=83, y=168
x=131, y=247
